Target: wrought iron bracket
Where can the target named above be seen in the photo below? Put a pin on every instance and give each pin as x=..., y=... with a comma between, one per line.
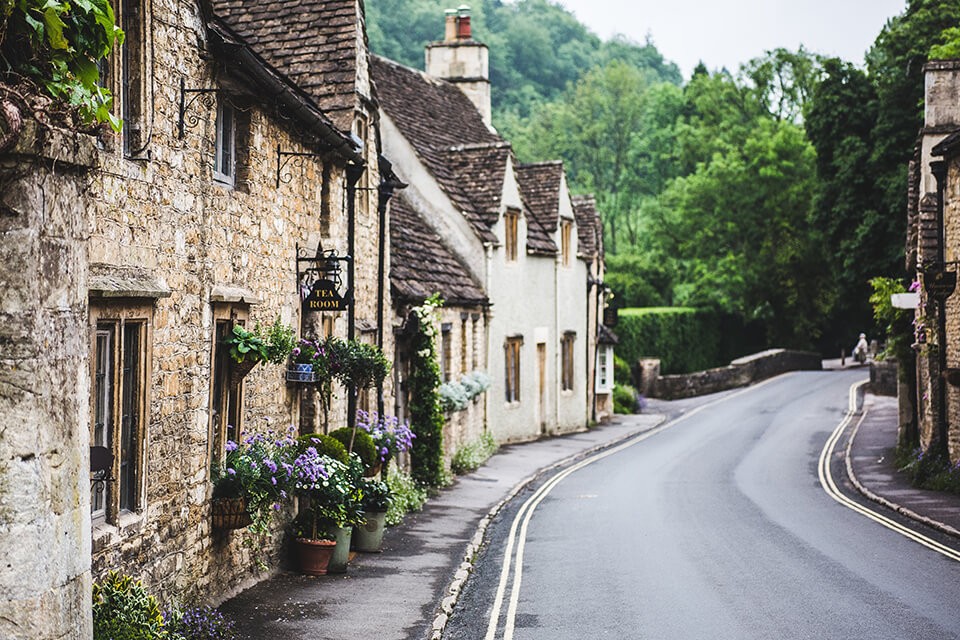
x=321, y=266
x=283, y=157
x=206, y=97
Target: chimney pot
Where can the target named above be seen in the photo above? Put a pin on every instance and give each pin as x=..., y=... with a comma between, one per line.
x=463, y=22
x=450, y=25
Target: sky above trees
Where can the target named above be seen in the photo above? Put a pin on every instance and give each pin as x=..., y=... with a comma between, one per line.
x=728, y=33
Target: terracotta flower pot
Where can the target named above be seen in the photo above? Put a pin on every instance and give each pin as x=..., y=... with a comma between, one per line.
x=313, y=556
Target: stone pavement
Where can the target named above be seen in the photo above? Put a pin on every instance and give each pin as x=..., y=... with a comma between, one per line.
x=871, y=468
x=393, y=595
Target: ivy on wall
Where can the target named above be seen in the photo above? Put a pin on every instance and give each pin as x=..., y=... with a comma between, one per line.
x=426, y=415
x=58, y=45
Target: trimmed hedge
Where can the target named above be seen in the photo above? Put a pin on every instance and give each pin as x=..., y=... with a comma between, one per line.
x=685, y=339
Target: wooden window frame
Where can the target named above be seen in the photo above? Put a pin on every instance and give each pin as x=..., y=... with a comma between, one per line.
x=226, y=400
x=512, y=348
x=132, y=18
x=446, y=351
x=120, y=366
x=511, y=232
x=567, y=360
x=566, y=238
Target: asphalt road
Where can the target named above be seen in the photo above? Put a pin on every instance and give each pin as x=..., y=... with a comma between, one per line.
x=716, y=527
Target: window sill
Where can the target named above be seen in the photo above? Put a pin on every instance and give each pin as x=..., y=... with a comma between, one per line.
x=512, y=405
x=105, y=534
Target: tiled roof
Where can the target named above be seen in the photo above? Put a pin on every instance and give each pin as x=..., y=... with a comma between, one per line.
x=421, y=265
x=431, y=113
x=311, y=42
x=589, y=227
x=540, y=188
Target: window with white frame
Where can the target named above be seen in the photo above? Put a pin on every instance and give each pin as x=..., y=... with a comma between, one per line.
x=225, y=161
x=604, y=368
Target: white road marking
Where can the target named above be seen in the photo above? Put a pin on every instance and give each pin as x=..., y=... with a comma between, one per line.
x=828, y=484
x=524, y=515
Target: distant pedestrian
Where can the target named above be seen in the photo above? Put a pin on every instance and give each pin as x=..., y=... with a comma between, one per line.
x=860, y=351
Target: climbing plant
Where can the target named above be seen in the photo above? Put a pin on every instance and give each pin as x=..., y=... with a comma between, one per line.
x=58, y=44
x=426, y=415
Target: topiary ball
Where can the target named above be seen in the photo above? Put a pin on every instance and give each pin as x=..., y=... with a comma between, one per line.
x=362, y=445
x=325, y=445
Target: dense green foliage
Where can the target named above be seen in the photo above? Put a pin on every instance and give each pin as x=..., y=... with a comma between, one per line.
x=406, y=495
x=624, y=398
x=536, y=48
x=684, y=339
x=124, y=610
x=57, y=44
x=472, y=455
x=326, y=445
x=426, y=414
x=362, y=445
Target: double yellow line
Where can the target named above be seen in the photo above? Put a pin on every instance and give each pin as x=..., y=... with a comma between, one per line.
x=830, y=486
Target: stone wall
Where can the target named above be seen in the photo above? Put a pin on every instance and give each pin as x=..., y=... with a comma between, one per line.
x=738, y=373
x=44, y=387
x=883, y=378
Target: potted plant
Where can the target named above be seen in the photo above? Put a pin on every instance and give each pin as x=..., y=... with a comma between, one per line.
x=301, y=364
x=250, y=348
x=390, y=436
x=251, y=481
x=330, y=502
x=368, y=536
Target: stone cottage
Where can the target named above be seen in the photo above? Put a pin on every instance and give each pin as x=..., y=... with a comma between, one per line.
x=521, y=244
x=250, y=146
x=933, y=251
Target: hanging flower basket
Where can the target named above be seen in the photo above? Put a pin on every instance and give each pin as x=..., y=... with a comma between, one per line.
x=230, y=513
x=238, y=370
x=298, y=372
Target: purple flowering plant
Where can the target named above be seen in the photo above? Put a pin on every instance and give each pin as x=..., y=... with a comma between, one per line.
x=260, y=469
x=330, y=491
x=198, y=623
x=391, y=436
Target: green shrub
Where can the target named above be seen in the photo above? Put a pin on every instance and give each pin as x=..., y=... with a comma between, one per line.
x=621, y=371
x=928, y=470
x=362, y=445
x=123, y=610
x=472, y=455
x=624, y=398
x=406, y=493
x=685, y=339
x=325, y=446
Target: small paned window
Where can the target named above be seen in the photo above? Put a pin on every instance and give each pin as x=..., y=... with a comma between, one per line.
x=464, y=364
x=511, y=222
x=566, y=360
x=512, y=374
x=226, y=396
x=132, y=76
x=604, y=369
x=566, y=248
x=224, y=165
x=118, y=408
x=446, y=349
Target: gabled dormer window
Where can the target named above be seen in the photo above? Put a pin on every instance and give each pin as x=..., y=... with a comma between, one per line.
x=225, y=163
x=511, y=223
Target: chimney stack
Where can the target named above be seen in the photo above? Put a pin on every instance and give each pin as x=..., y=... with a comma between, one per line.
x=459, y=59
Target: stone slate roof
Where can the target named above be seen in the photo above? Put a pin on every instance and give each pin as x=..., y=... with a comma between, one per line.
x=465, y=157
x=540, y=188
x=311, y=42
x=421, y=265
x=589, y=227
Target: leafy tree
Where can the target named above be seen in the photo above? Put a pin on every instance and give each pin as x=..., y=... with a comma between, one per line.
x=848, y=207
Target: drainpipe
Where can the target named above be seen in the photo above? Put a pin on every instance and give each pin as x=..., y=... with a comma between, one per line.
x=354, y=171
x=939, y=169
x=557, y=360
x=388, y=185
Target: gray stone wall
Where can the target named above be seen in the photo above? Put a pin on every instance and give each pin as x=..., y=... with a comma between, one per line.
x=738, y=373
x=44, y=388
